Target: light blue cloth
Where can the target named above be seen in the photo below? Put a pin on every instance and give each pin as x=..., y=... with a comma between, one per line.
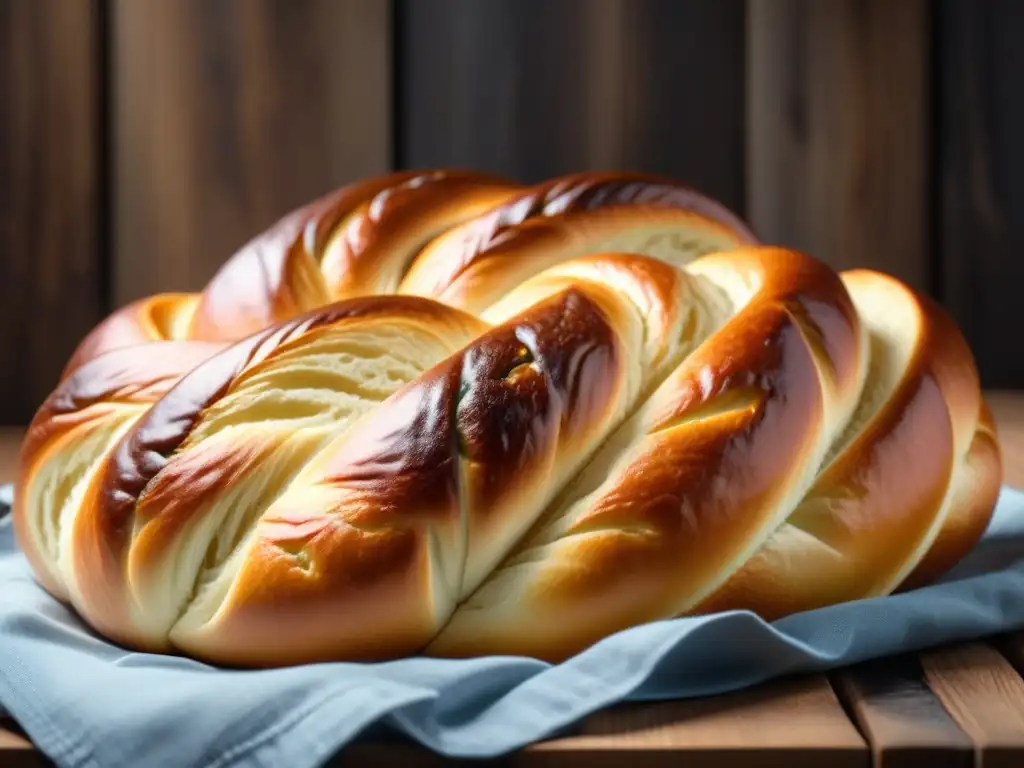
x=88, y=703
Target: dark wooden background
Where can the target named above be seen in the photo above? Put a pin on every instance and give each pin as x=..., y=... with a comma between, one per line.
x=142, y=141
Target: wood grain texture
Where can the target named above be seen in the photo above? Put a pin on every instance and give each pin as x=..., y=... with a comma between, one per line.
x=980, y=156
x=229, y=113
x=532, y=89
x=985, y=696
x=15, y=750
x=10, y=446
x=837, y=131
x=903, y=721
x=51, y=273
x=1008, y=410
x=793, y=722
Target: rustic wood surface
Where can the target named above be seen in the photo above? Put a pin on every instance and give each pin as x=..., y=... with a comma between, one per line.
x=952, y=707
x=227, y=115
x=902, y=720
x=532, y=89
x=50, y=194
x=979, y=157
x=837, y=139
x=768, y=725
x=985, y=695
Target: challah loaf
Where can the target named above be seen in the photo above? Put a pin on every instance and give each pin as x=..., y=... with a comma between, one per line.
x=443, y=413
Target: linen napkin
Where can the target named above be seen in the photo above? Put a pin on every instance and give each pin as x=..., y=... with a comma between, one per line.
x=86, y=702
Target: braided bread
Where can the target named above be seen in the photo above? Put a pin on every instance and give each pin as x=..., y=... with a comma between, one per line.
x=443, y=413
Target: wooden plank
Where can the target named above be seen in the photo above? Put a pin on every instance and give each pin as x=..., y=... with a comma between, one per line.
x=903, y=721
x=837, y=131
x=531, y=89
x=16, y=751
x=51, y=272
x=1008, y=410
x=10, y=445
x=228, y=115
x=980, y=119
x=985, y=696
x=791, y=722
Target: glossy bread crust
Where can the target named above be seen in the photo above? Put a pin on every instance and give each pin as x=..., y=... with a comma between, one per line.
x=138, y=486
x=441, y=412
x=472, y=265
x=419, y=501
x=163, y=317
x=96, y=401
x=341, y=246
x=887, y=493
x=739, y=425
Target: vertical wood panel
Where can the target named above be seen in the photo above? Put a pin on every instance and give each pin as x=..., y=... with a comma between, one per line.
x=228, y=113
x=838, y=131
x=981, y=178
x=531, y=89
x=50, y=265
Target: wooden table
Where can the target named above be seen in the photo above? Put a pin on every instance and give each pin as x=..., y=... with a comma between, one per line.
x=956, y=706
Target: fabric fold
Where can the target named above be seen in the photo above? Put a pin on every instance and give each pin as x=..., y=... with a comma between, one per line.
x=86, y=702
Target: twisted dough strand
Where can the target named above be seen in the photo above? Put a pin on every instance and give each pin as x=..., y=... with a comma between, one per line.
x=439, y=411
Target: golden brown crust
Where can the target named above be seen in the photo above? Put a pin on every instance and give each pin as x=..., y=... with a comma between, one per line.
x=735, y=427
x=975, y=490
x=470, y=266
x=156, y=318
x=385, y=233
x=599, y=403
x=276, y=274
x=427, y=492
x=145, y=449
x=117, y=384
x=107, y=519
x=874, y=509
x=662, y=298
x=489, y=235
x=382, y=583
x=479, y=432
x=332, y=248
